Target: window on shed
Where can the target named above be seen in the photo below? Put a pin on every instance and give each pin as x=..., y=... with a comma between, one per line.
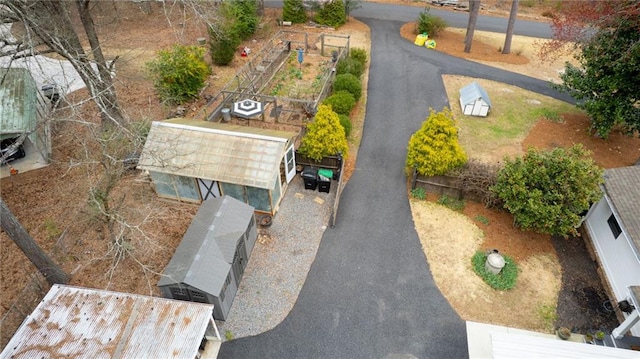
x=276, y=192
x=615, y=227
x=234, y=190
x=259, y=198
x=256, y=197
x=176, y=187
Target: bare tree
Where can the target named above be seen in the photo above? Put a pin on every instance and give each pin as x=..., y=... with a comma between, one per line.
x=19, y=235
x=49, y=28
x=512, y=20
x=474, y=9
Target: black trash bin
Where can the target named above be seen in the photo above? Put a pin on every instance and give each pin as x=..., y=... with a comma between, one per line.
x=310, y=177
x=324, y=180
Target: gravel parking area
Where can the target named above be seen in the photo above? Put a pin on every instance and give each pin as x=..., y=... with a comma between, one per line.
x=280, y=261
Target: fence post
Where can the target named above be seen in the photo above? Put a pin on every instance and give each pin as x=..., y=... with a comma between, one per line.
x=414, y=178
x=322, y=44
x=348, y=44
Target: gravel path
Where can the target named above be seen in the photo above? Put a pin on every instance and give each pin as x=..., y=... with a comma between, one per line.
x=280, y=261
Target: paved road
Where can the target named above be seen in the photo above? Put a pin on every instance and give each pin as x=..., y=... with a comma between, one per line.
x=457, y=19
x=369, y=293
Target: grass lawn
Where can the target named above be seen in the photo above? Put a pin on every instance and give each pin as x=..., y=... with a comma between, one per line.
x=514, y=112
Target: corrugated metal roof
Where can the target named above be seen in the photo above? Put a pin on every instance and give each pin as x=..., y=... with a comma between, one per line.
x=90, y=323
x=18, y=101
x=218, y=152
x=472, y=92
x=204, y=257
x=623, y=188
x=514, y=346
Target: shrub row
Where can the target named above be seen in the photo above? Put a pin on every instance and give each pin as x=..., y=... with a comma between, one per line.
x=347, y=87
x=327, y=134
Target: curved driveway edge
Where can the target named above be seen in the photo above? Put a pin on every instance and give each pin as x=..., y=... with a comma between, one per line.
x=369, y=292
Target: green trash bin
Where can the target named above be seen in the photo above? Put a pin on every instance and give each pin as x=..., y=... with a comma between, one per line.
x=324, y=180
x=325, y=173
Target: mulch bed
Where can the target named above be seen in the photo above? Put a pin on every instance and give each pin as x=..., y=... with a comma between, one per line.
x=583, y=305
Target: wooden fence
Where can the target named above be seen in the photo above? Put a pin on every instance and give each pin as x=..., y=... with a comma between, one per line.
x=336, y=203
x=444, y=185
x=330, y=162
x=258, y=73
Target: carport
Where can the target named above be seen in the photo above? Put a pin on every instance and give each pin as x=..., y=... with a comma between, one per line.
x=23, y=110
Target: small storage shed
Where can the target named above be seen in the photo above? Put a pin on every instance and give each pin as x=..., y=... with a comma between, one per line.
x=474, y=100
x=192, y=161
x=74, y=322
x=209, y=263
x=22, y=110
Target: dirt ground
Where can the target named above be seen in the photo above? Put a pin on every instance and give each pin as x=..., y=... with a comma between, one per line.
x=52, y=202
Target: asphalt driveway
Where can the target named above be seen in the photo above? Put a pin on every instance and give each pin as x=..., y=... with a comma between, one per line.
x=369, y=292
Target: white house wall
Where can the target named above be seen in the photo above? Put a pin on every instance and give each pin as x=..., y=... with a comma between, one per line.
x=618, y=260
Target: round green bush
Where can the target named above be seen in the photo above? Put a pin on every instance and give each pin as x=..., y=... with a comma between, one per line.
x=349, y=83
x=341, y=102
x=359, y=55
x=179, y=73
x=504, y=280
x=349, y=66
x=430, y=24
x=243, y=15
x=331, y=14
x=222, y=46
x=345, y=121
x=293, y=10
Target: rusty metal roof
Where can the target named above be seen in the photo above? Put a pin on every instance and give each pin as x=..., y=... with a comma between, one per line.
x=240, y=155
x=18, y=101
x=89, y=323
x=623, y=188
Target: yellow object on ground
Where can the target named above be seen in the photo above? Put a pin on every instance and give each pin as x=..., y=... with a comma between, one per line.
x=421, y=39
x=431, y=44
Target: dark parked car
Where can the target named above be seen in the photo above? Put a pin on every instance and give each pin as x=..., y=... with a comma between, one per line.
x=14, y=154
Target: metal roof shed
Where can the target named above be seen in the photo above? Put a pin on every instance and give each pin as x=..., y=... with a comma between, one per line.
x=209, y=263
x=474, y=100
x=193, y=160
x=22, y=110
x=73, y=322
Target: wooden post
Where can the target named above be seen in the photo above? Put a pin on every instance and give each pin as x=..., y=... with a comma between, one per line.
x=322, y=44
x=414, y=179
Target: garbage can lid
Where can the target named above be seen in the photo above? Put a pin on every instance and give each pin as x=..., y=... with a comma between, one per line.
x=225, y=110
x=495, y=260
x=309, y=172
x=325, y=172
